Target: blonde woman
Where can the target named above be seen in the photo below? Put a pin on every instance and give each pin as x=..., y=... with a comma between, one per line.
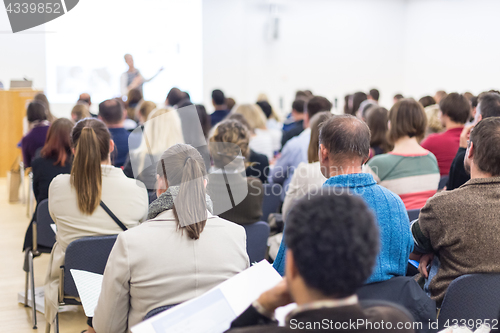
x=161, y=131
x=262, y=140
x=75, y=199
x=79, y=112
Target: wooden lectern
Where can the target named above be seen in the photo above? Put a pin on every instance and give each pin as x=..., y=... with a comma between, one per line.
x=13, y=104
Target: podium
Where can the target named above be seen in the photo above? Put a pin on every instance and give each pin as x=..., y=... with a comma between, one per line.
x=13, y=104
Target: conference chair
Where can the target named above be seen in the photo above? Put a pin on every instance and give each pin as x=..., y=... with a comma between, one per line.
x=471, y=299
x=158, y=310
x=87, y=254
x=43, y=241
x=443, y=181
x=257, y=235
x=272, y=199
x=413, y=214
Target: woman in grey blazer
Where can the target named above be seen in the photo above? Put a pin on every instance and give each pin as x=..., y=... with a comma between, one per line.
x=181, y=252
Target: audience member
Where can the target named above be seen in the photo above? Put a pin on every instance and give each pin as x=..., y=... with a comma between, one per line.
x=162, y=130
x=376, y=119
x=134, y=99
x=40, y=97
x=364, y=107
x=489, y=106
x=35, y=139
x=426, y=101
x=79, y=112
x=146, y=108
x=298, y=122
x=344, y=148
x=204, y=119
x=434, y=124
x=462, y=227
x=135, y=137
x=259, y=164
x=440, y=94
x=55, y=158
x=219, y=103
x=272, y=119
x=85, y=98
x=230, y=103
x=74, y=200
x=358, y=98
x=408, y=170
x=262, y=140
x=348, y=104
x=374, y=95
x=185, y=101
x=111, y=112
x=189, y=252
x=174, y=96
x=397, y=97
x=331, y=252
x=230, y=138
x=455, y=111
x=308, y=176
x=295, y=150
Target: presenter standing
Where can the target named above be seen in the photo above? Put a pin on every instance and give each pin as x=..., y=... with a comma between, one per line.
x=132, y=79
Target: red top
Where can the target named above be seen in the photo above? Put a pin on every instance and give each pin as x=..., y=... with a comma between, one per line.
x=444, y=146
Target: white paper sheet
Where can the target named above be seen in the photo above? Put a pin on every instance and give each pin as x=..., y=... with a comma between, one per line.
x=89, y=288
x=215, y=310
x=54, y=227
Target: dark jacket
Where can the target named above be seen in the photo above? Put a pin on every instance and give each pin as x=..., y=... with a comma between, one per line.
x=246, y=209
x=404, y=291
x=259, y=166
x=217, y=116
x=120, y=137
x=457, y=176
x=295, y=129
x=252, y=321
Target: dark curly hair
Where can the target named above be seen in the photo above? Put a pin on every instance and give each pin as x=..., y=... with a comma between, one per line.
x=334, y=241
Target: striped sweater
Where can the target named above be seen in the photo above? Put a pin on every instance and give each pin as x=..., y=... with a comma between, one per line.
x=415, y=178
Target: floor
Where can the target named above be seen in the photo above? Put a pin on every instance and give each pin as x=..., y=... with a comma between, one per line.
x=14, y=317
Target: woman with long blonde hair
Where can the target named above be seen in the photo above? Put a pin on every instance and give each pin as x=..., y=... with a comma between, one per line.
x=78, y=201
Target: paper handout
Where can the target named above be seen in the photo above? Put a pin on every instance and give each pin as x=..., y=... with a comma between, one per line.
x=89, y=288
x=215, y=310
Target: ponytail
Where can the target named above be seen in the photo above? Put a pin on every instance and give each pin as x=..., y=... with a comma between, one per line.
x=186, y=169
x=92, y=146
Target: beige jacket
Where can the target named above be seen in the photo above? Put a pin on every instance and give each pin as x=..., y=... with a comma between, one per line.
x=125, y=197
x=155, y=264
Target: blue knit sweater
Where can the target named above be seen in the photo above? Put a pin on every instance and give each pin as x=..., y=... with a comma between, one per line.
x=396, y=242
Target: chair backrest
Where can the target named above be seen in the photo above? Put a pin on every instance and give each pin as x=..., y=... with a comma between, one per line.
x=158, y=310
x=471, y=298
x=87, y=254
x=443, y=181
x=413, y=214
x=45, y=235
x=272, y=199
x=257, y=235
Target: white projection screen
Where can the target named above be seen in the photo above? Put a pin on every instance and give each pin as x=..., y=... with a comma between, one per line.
x=85, y=48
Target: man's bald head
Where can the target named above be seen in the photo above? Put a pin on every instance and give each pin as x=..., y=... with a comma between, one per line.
x=85, y=98
x=111, y=112
x=346, y=138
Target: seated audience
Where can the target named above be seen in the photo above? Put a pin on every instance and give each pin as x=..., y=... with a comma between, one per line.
x=231, y=137
x=134, y=100
x=462, y=227
x=344, y=148
x=189, y=251
x=427, y=101
x=230, y=103
x=55, y=158
x=408, y=170
x=376, y=119
x=308, y=176
x=332, y=244
x=162, y=130
x=219, y=103
x=40, y=97
x=434, y=124
x=397, y=97
x=79, y=112
x=204, y=119
x=85, y=98
x=488, y=106
x=374, y=95
x=262, y=140
x=74, y=200
x=439, y=96
x=295, y=150
x=357, y=99
x=35, y=139
x=174, y=96
x=111, y=112
x=272, y=119
x=135, y=137
x=348, y=104
x=297, y=126
x=258, y=166
x=455, y=112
